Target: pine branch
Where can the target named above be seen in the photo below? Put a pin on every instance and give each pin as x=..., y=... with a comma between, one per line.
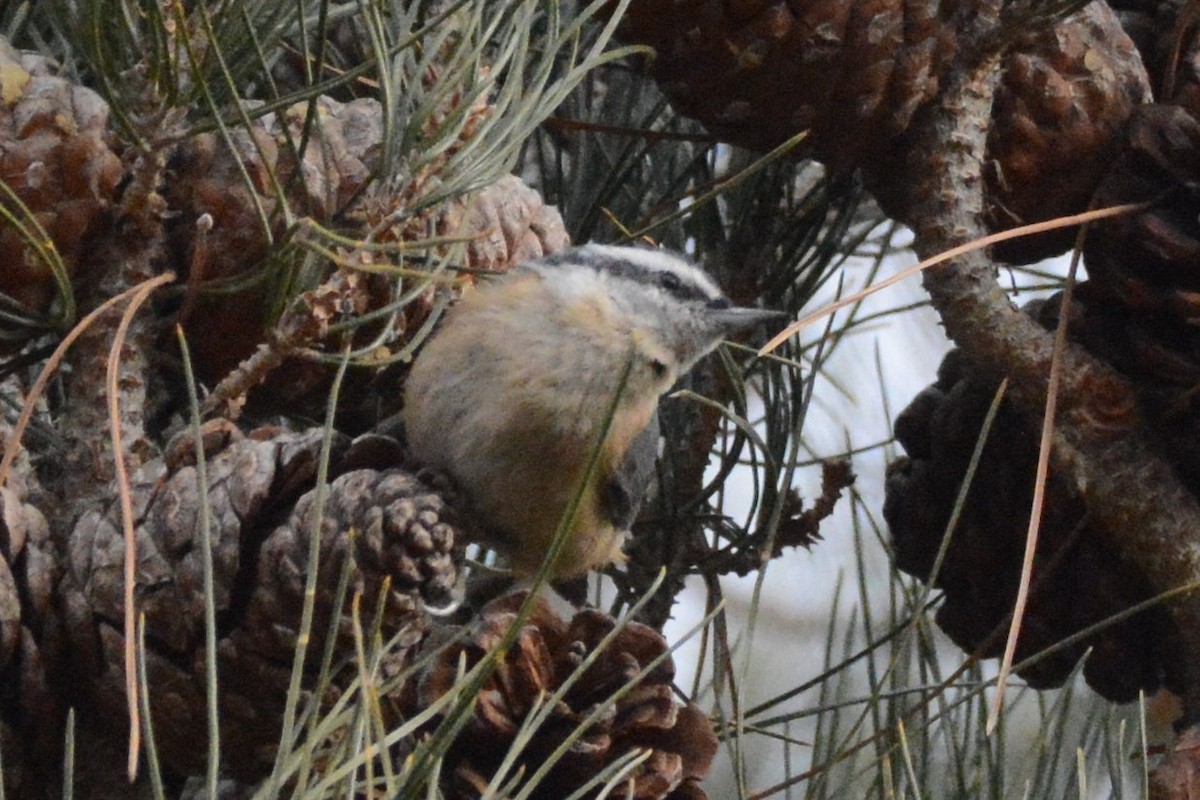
x=1101, y=443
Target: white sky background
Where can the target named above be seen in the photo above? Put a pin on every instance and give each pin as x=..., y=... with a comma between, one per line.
x=788, y=647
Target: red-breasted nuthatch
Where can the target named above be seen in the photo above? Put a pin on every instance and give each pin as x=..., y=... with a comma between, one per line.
x=510, y=395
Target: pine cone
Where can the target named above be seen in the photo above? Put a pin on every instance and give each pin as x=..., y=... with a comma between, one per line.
x=505, y=224
x=547, y=652
x=27, y=625
x=207, y=179
x=857, y=74
x=1149, y=261
x=1067, y=92
x=757, y=72
x=1076, y=583
x=397, y=532
x=55, y=157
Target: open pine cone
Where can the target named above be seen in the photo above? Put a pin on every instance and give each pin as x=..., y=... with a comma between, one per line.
x=403, y=543
x=55, y=158
x=548, y=652
x=226, y=318
x=206, y=178
x=856, y=75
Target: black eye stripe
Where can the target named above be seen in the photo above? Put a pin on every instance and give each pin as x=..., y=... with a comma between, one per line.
x=673, y=283
x=676, y=287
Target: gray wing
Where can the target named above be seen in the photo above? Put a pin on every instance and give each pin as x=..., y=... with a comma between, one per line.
x=626, y=489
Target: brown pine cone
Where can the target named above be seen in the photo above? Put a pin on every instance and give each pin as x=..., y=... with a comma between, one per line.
x=396, y=530
x=226, y=315
x=28, y=575
x=505, y=223
x=399, y=534
x=1076, y=582
x=1167, y=34
x=1060, y=111
x=1149, y=262
x=206, y=179
x=548, y=652
x=55, y=157
x=757, y=72
x=857, y=74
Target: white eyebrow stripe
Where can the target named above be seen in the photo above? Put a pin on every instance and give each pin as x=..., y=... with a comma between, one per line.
x=657, y=261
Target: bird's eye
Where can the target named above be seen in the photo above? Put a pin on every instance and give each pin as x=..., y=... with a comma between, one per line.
x=658, y=368
x=670, y=281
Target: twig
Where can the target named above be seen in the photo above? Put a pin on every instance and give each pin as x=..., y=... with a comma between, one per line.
x=978, y=243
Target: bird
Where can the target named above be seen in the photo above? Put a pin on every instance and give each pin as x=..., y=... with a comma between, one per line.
x=509, y=396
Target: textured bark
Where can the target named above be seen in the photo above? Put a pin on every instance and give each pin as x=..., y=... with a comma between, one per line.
x=1101, y=445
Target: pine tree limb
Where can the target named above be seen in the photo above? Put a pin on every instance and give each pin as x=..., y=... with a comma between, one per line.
x=1101, y=443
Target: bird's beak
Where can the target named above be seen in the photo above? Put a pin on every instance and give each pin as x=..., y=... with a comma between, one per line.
x=736, y=319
